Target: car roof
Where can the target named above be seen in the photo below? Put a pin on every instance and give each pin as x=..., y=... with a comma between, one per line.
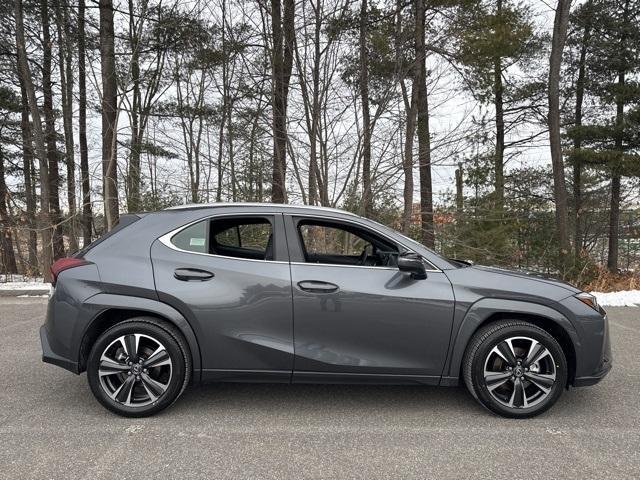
x=278, y=206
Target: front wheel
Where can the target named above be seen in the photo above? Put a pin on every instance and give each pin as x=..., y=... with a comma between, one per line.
x=515, y=369
x=138, y=367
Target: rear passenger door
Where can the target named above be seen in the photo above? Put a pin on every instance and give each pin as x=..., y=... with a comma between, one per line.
x=229, y=275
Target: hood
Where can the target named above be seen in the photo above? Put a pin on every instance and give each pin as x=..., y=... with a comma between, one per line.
x=531, y=275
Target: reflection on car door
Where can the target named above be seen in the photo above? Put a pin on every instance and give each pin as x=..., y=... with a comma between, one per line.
x=365, y=321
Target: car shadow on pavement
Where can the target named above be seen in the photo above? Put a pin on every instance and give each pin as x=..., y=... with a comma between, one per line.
x=244, y=401
x=323, y=398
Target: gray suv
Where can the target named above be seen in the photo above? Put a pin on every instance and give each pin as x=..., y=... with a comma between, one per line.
x=277, y=293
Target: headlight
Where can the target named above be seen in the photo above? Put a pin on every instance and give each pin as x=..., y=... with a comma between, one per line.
x=588, y=299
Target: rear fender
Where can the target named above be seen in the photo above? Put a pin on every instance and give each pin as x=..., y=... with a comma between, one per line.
x=104, y=301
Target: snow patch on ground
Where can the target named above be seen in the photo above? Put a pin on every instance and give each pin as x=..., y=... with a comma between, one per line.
x=24, y=286
x=625, y=298
x=14, y=277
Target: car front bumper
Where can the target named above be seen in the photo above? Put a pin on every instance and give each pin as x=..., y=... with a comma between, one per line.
x=606, y=358
x=595, y=378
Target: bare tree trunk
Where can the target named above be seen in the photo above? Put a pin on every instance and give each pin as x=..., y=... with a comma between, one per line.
x=225, y=102
x=87, y=214
x=577, y=144
x=38, y=134
x=314, y=174
x=367, y=199
x=29, y=189
x=7, y=255
x=51, y=135
x=133, y=177
x=277, y=188
x=410, y=107
x=424, y=141
x=499, y=152
x=407, y=163
x=109, y=114
x=559, y=186
x=66, y=86
x=282, y=24
x=459, y=191
x=614, y=213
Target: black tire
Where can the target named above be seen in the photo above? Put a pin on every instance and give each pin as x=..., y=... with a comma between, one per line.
x=480, y=352
x=173, y=376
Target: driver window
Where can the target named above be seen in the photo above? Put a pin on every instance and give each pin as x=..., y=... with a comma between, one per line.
x=344, y=245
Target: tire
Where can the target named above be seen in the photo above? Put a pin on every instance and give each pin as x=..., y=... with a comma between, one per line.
x=515, y=390
x=139, y=367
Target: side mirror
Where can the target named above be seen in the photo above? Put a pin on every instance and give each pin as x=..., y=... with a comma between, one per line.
x=410, y=262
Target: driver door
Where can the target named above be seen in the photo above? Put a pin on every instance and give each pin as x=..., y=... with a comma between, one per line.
x=355, y=314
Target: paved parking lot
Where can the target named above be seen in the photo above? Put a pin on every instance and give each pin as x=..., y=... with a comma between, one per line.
x=51, y=427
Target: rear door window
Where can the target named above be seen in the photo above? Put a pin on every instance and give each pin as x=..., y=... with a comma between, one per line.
x=242, y=237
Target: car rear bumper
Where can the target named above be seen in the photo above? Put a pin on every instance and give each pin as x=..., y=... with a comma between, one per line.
x=49, y=356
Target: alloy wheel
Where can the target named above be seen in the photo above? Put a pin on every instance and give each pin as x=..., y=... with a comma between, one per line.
x=519, y=372
x=135, y=370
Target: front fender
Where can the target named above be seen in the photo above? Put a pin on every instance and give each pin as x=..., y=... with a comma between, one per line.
x=483, y=309
x=105, y=301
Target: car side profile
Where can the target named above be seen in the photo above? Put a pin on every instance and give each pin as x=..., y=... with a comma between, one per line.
x=291, y=294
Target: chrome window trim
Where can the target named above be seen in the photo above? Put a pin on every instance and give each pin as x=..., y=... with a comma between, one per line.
x=166, y=238
x=361, y=225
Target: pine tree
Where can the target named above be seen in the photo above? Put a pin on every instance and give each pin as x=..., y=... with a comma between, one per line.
x=610, y=141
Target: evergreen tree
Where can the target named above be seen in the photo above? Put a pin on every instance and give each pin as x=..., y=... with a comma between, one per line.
x=610, y=139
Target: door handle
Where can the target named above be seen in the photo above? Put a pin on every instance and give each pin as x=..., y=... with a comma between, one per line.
x=316, y=286
x=192, y=274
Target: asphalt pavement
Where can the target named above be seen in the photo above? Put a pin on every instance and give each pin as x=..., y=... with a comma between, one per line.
x=51, y=426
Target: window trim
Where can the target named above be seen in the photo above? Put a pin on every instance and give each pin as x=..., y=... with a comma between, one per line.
x=166, y=238
x=295, y=218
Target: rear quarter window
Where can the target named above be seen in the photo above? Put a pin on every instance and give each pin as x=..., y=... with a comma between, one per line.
x=192, y=238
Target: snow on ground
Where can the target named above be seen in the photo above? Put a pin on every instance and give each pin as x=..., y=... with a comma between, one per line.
x=14, y=277
x=24, y=286
x=625, y=298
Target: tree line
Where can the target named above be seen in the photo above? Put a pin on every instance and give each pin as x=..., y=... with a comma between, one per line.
x=494, y=130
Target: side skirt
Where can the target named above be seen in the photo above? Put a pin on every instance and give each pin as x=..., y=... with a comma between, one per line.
x=363, y=378
x=305, y=377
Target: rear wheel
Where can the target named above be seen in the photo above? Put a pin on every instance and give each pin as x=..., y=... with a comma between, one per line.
x=515, y=369
x=138, y=367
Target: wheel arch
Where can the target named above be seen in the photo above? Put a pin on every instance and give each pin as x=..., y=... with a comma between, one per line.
x=491, y=310
x=109, y=310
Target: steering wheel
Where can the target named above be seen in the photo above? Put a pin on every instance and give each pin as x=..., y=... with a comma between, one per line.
x=363, y=257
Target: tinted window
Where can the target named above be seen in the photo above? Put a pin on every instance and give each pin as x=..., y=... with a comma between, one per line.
x=242, y=237
x=253, y=235
x=193, y=238
x=342, y=244
x=324, y=240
